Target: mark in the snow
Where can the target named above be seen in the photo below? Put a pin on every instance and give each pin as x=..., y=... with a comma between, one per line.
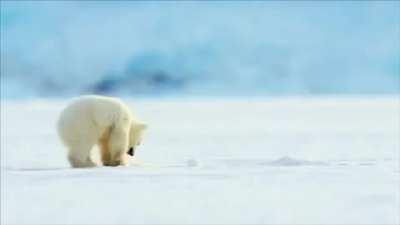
x=192, y=163
x=287, y=161
x=366, y=164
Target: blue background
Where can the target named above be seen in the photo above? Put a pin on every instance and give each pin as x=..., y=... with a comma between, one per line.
x=67, y=48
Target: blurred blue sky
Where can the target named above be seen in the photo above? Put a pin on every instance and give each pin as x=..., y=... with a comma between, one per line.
x=156, y=48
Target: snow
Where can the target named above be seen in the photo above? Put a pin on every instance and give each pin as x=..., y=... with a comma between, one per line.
x=328, y=160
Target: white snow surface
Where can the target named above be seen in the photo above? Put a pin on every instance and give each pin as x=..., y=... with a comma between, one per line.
x=330, y=160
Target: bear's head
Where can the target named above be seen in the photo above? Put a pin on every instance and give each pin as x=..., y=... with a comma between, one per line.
x=135, y=136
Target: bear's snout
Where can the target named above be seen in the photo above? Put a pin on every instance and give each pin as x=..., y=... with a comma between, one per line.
x=131, y=151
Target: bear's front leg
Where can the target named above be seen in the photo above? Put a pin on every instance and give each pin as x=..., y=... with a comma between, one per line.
x=122, y=161
x=125, y=160
x=118, y=147
x=104, y=145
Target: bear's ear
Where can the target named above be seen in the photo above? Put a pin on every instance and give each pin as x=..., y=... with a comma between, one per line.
x=139, y=125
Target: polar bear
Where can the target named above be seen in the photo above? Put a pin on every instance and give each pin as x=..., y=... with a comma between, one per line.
x=105, y=121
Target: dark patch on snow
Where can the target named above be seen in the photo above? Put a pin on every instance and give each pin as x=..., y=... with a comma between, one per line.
x=287, y=161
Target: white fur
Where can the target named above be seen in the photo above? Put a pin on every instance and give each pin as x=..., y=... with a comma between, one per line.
x=91, y=120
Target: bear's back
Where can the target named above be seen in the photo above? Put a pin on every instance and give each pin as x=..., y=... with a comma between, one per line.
x=103, y=110
x=92, y=112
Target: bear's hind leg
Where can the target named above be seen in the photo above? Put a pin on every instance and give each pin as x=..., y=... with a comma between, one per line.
x=79, y=156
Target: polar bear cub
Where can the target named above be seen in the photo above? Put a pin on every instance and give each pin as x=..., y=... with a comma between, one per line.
x=104, y=121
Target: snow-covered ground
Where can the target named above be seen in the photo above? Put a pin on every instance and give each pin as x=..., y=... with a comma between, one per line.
x=268, y=161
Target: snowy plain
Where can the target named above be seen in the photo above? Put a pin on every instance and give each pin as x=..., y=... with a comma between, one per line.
x=330, y=160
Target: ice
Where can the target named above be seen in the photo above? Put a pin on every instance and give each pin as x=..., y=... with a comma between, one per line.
x=330, y=160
